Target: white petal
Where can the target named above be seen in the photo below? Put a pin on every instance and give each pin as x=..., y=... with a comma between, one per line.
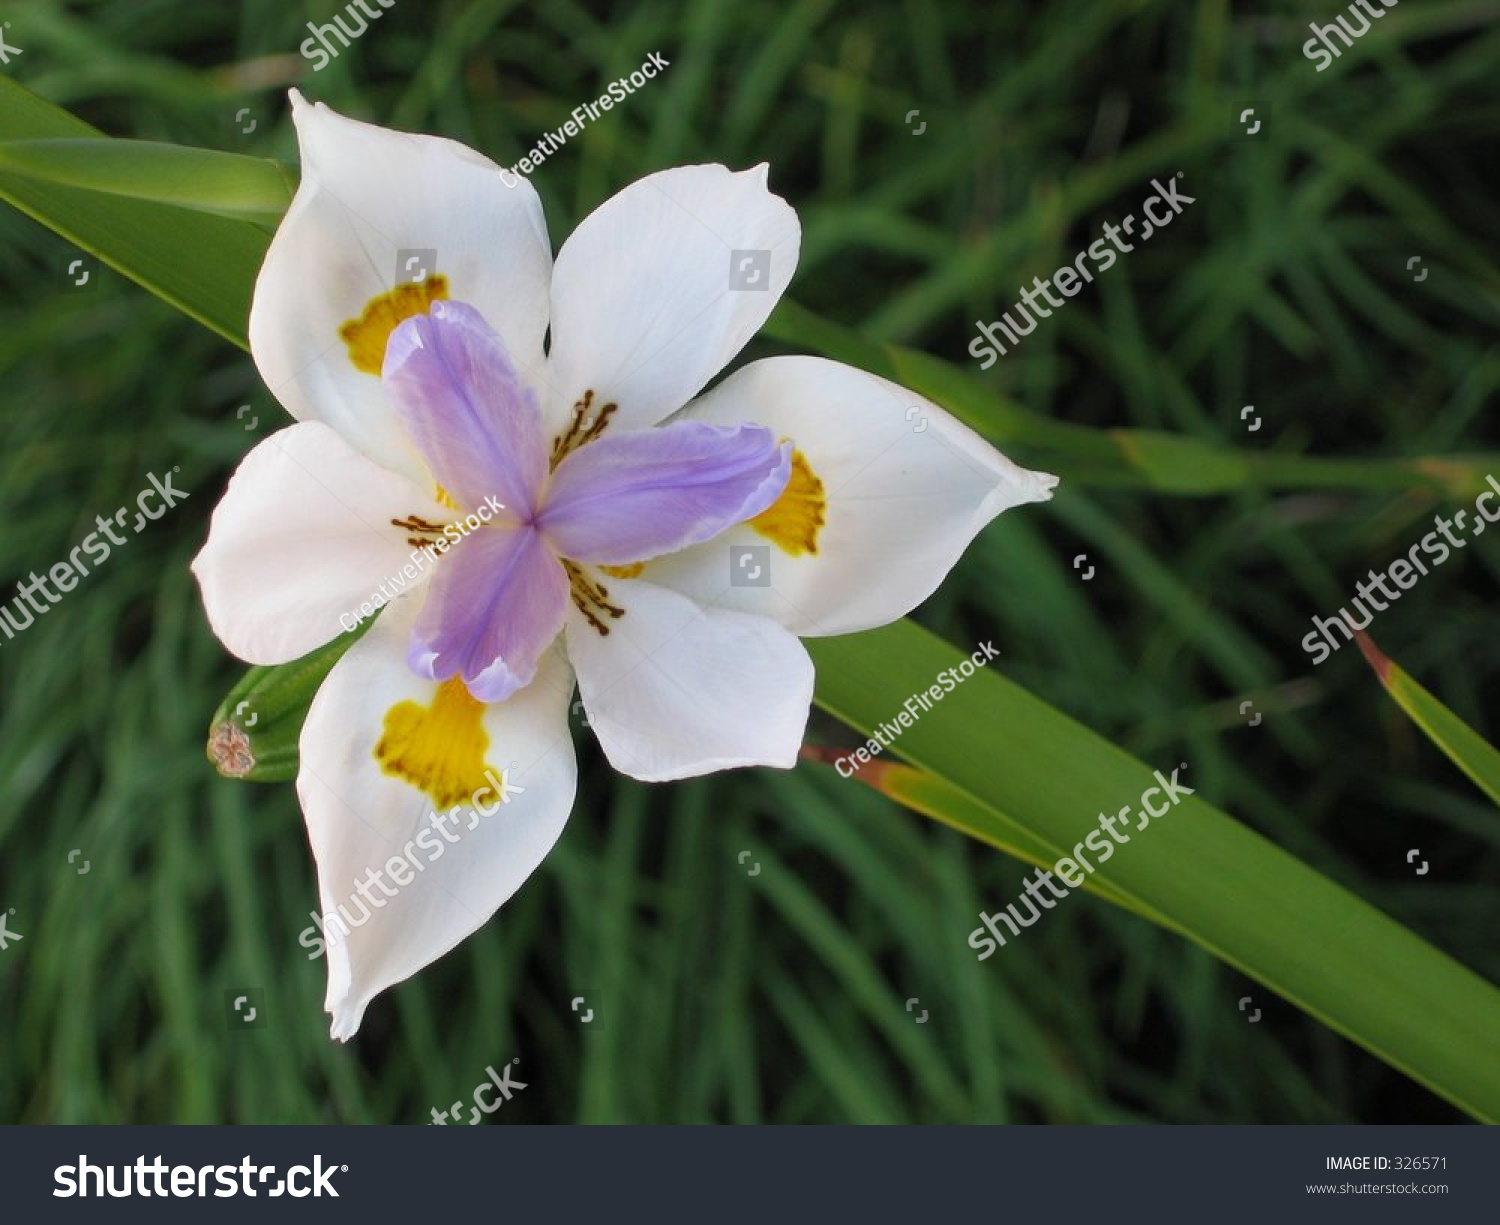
x=368, y=194
x=301, y=539
x=906, y=486
x=359, y=818
x=674, y=690
x=642, y=310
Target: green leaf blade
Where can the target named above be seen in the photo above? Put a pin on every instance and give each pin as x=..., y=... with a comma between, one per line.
x=1234, y=893
x=1460, y=743
x=223, y=184
x=202, y=264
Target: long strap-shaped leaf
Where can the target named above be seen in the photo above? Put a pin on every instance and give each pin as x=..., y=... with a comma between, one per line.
x=1239, y=896
x=204, y=265
x=1464, y=747
x=1043, y=775
x=225, y=184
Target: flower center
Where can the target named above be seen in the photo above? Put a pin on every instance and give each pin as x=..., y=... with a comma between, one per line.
x=589, y=595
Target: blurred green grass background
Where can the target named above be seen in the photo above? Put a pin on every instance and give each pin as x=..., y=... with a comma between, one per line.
x=782, y=996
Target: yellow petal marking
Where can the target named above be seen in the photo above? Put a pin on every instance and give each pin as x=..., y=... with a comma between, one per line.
x=792, y=522
x=438, y=749
x=367, y=336
x=633, y=570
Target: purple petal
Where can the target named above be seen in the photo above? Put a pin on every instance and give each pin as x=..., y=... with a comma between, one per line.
x=633, y=496
x=466, y=408
x=492, y=609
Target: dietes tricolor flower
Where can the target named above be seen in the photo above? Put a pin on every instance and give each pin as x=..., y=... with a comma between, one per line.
x=625, y=495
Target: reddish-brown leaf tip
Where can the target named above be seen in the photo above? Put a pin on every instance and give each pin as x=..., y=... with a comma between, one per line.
x=1377, y=659
x=872, y=773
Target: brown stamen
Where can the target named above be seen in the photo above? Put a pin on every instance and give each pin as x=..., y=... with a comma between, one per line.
x=590, y=597
x=582, y=429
